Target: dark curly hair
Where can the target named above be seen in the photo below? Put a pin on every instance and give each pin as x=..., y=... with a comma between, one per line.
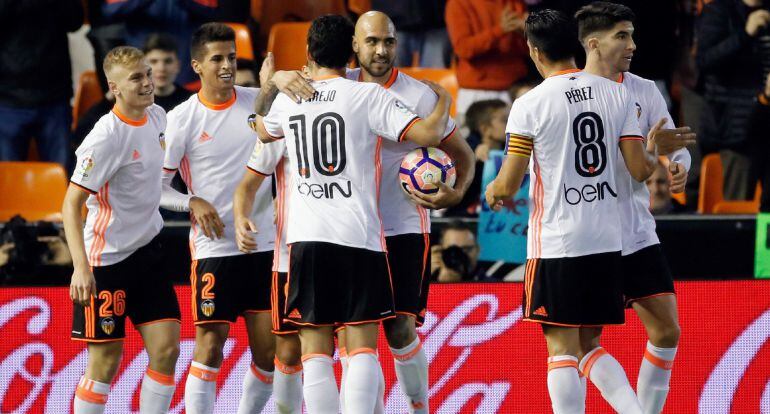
x=329, y=41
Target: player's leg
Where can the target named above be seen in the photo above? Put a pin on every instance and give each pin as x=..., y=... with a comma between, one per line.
x=94, y=387
x=660, y=318
x=362, y=383
x=320, y=386
x=161, y=339
x=409, y=360
x=563, y=378
x=606, y=373
x=258, y=381
x=343, y=354
x=201, y=385
x=287, y=382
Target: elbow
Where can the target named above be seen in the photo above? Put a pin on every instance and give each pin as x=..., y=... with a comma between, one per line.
x=642, y=175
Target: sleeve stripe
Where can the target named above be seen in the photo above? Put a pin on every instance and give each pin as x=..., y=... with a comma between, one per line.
x=512, y=135
x=268, y=134
x=257, y=172
x=513, y=145
x=519, y=154
x=523, y=144
x=170, y=169
x=631, y=138
x=86, y=189
x=407, y=127
x=451, y=134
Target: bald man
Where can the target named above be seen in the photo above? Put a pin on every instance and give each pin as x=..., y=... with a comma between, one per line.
x=405, y=217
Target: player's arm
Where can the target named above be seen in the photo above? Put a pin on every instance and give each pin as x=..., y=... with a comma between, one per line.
x=640, y=162
x=243, y=202
x=508, y=180
x=428, y=132
x=293, y=83
x=461, y=153
x=82, y=284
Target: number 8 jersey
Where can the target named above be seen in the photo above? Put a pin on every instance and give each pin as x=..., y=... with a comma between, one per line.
x=334, y=151
x=573, y=122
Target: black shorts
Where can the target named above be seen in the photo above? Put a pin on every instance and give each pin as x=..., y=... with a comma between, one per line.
x=330, y=285
x=278, y=305
x=409, y=259
x=225, y=287
x=134, y=288
x=646, y=274
x=574, y=291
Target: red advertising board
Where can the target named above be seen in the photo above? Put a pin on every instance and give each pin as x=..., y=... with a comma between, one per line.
x=483, y=358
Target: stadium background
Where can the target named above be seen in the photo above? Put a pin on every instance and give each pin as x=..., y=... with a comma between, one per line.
x=483, y=359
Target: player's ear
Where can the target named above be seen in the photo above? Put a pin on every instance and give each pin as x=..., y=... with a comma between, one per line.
x=355, y=44
x=196, y=66
x=592, y=43
x=113, y=88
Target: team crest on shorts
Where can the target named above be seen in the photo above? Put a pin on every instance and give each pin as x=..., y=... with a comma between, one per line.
x=108, y=325
x=207, y=307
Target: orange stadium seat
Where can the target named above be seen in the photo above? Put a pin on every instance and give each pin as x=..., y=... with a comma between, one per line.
x=37, y=190
x=444, y=77
x=711, y=192
x=274, y=12
x=288, y=43
x=359, y=6
x=256, y=10
x=88, y=93
x=243, y=45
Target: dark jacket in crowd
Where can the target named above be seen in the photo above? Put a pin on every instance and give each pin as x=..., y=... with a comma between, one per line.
x=34, y=53
x=413, y=15
x=731, y=65
x=759, y=124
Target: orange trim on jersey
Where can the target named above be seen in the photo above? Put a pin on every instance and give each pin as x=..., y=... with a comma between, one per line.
x=312, y=325
x=527, y=267
x=538, y=216
x=562, y=364
x=630, y=138
x=378, y=320
x=204, y=374
x=259, y=173
x=309, y=356
x=160, y=378
x=280, y=189
x=100, y=227
x=261, y=377
x=325, y=77
x=193, y=288
x=658, y=362
x=90, y=396
x=362, y=351
x=186, y=174
x=256, y=311
x=564, y=72
x=284, y=332
x=86, y=189
x=127, y=120
x=621, y=77
x=408, y=355
x=406, y=129
x=598, y=353
x=629, y=301
x=571, y=325
x=158, y=321
x=392, y=79
x=274, y=299
x=213, y=321
x=377, y=180
x=96, y=341
x=450, y=135
x=217, y=107
x=425, y=260
x=287, y=369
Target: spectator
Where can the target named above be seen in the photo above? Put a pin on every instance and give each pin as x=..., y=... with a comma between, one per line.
x=246, y=74
x=103, y=36
x=420, y=29
x=162, y=55
x=486, y=121
x=488, y=40
x=660, y=193
x=759, y=124
x=178, y=18
x=733, y=53
x=35, y=77
x=455, y=258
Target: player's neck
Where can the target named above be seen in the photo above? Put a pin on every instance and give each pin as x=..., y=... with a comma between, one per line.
x=165, y=90
x=381, y=80
x=134, y=113
x=317, y=72
x=217, y=96
x=555, y=67
x=596, y=67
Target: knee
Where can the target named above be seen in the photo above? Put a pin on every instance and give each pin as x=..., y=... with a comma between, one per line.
x=666, y=336
x=263, y=358
x=400, y=332
x=104, y=365
x=288, y=352
x=166, y=354
x=208, y=351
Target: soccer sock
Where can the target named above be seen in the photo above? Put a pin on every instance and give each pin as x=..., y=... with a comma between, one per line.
x=90, y=397
x=157, y=391
x=257, y=389
x=200, y=390
x=654, y=376
x=361, y=387
x=411, y=366
x=320, y=386
x=564, y=385
x=583, y=385
x=343, y=353
x=287, y=388
x=608, y=376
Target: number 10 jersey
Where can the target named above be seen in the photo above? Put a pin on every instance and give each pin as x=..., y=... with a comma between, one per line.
x=334, y=146
x=574, y=122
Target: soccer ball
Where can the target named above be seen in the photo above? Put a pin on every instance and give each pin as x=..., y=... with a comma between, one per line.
x=423, y=167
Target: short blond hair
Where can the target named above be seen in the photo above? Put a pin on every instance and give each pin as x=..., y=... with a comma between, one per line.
x=121, y=56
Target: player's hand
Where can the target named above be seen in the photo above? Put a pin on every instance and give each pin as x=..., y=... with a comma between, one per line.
x=510, y=21
x=440, y=91
x=677, y=176
x=294, y=84
x=445, y=197
x=756, y=21
x=267, y=70
x=494, y=202
x=82, y=286
x=670, y=140
x=482, y=152
x=207, y=217
x=244, y=234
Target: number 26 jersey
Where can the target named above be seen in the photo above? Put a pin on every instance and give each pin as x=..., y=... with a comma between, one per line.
x=334, y=143
x=574, y=122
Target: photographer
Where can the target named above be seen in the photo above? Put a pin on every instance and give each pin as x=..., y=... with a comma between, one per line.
x=455, y=258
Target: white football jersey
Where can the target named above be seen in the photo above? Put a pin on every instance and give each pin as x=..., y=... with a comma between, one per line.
x=399, y=214
x=636, y=220
x=267, y=159
x=210, y=145
x=120, y=164
x=334, y=142
x=575, y=122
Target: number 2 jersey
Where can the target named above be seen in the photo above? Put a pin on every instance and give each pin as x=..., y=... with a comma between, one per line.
x=573, y=122
x=334, y=143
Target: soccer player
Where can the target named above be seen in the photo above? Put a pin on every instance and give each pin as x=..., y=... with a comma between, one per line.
x=406, y=225
x=115, y=257
x=606, y=32
x=338, y=270
x=575, y=127
x=209, y=141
